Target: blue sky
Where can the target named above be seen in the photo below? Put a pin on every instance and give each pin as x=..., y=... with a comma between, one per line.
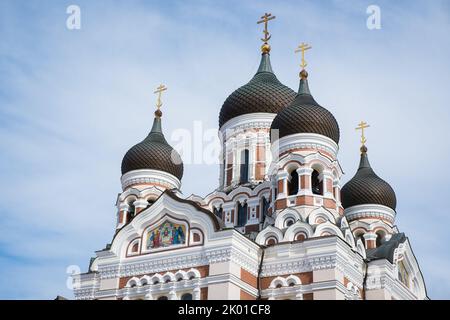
x=73, y=102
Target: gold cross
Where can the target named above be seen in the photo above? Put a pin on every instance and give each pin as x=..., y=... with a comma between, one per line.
x=361, y=126
x=302, y=48
x=159, y=90
x=266, y=18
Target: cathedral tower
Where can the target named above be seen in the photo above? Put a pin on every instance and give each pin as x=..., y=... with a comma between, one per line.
x=305, y=139
x=148, y=168
x=245, y=119
x=369, y=202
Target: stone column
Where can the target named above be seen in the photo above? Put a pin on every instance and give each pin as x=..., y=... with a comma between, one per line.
x=371, y=240
x=282, y=184
x=172, y=295
x=196, y=294
x=327, y=184
x=140, y=205
x=304, y=176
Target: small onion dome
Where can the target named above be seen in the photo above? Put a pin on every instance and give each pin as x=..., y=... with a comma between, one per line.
x=367, y=188
x=264, y=93
x=305, y=115
x=154, y=153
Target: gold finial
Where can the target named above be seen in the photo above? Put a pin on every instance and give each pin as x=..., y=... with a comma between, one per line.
x=159, y=91
x=361, y=126
x=302, y=48
x=265, y=48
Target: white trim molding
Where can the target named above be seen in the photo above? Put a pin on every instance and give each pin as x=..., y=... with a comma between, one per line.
x=150, y=176
x=370, y=211
x=307, y=141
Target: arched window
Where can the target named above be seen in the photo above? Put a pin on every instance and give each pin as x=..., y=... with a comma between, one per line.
x=316, y=183
x=135, y=247
x=245, y=157
x=289, y=222
x=300, y=236
x=293, y=183
x=271, y=241
x=163, y=298
x=242, y=214
x=186, y=296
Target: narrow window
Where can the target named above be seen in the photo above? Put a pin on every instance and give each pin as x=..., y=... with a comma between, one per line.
x=244, y=166
x=265, y=206
x=316, y=183
x=242, y=214
x=293, y=183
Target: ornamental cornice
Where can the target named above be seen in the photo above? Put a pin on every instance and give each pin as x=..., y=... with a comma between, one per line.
x=179, y=262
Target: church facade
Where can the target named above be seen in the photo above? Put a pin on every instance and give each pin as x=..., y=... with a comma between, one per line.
x=279, y=225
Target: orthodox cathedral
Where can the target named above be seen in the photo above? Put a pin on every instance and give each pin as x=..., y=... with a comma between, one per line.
x=278, y=226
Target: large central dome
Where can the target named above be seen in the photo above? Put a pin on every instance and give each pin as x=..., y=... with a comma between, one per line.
x=263, y=93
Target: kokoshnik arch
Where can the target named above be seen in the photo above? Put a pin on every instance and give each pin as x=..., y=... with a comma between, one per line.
x=279, y=226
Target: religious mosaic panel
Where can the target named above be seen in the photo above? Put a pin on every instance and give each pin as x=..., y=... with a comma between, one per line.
x=165, y=235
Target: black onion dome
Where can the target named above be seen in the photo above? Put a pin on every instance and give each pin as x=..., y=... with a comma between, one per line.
x=153, y=153
x=367, y=188
x=305, y=115
x=263, y=93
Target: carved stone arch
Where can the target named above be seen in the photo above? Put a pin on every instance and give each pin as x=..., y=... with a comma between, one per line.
x=296, y=228
x=328, y=228
x=134, y=244
x=129, y=192
x=193, y=274
x=344, y=223
x=278, y=282
x=145, y=280
x=293, y=280
x=284, y=215
x=215, y=195
x=156, y=279
x=320, y=213
x=291, y=166
x=274, y=168
x=241, y=189
x=133, y=282
x=348, y=235
x=168, y=277
x=317, y=165
x=181, y=275
x=360, y=248
x=129, y=200
x=268, y=232
x=262, y=188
